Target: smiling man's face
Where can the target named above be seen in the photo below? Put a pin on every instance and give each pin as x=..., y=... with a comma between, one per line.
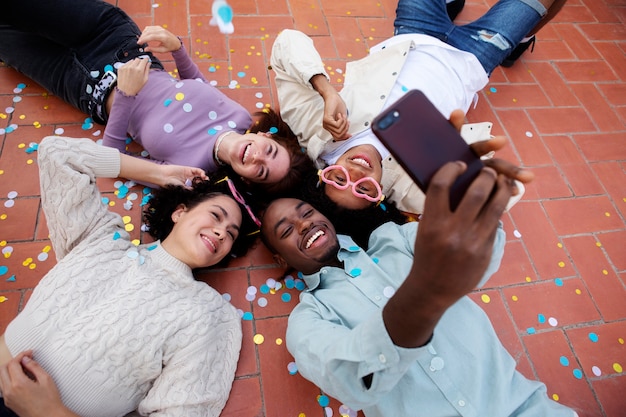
x=301, y=235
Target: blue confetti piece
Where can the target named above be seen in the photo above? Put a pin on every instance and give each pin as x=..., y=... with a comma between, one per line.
x=300, y=275
x=108, y=67
x=405, y=88
x=355, y=272
x=273, y=130
x=105, y=200
x=593, y=337
x=21, y=85
x=578, y=374
x=152, y=247
x=212, y=69
x=265, y=289
x=3, y=270
x=323, y=400
x=11, y=278
x=116, y=235
x=493, y=89
x=247, y=316
x=531, y=330
x=375, y=260
x=167, y=102
x=212, y=131
x=564, y=361
x=354, y=248
x=241, y=74
x=290, y=283
x=541, y=318
x=286, y=297
x=9, y=129
x=558, y=282
x=300, y=286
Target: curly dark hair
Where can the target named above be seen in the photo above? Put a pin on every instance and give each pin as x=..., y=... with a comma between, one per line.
x=164, y=201
x=356, y=223
x=300, y=164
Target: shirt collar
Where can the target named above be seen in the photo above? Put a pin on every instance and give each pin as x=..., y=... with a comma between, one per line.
x=346, y=246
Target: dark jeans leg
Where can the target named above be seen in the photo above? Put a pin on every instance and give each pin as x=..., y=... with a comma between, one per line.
x=67, y=45
x=4, y=411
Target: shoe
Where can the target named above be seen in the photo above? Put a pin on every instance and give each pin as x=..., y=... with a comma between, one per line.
x=454, y=8
x=222, y=17
x=518, y=51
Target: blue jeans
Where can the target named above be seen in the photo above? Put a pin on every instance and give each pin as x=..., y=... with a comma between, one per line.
x=67, y=46
x=490, y=38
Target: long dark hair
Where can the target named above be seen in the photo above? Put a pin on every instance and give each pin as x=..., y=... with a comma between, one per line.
x=164, y=201
x=300, y=164
x=358, y=224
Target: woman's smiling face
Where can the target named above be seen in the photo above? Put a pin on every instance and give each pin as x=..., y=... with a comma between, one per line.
x=258, y=158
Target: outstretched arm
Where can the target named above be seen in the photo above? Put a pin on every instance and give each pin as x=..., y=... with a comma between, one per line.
x=335, y=111
x=452, y=252
x=145, y=171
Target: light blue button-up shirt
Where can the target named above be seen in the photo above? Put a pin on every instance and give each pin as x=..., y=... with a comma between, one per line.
x=337, y=336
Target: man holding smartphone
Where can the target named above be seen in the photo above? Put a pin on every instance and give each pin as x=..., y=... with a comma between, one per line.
x=389, y=330
x=449, y=63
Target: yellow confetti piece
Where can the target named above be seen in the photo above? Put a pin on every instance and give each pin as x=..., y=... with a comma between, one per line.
x=258, y=339
x=126, y=219
x=136, y=242
x=46, y=107
x=555, y=397
x=7, y=255
x=3, y=216
x=179, y=96
x=3, y=298
x=279, y=341
x=21, y=146
x=129, y=227
x=29, y=162
x=620, y=341
x=514, y=298
x=3, y=116
x=22, y=116
x=27, y=261
x=559, y=245
x=605, y=272
x=514, y=100
x=607, y=214
x=3, y=242
x=485, y=298
x=46, y=248
x=561, y=264
x=528, y=279
x=165, y=26
x=301, y=415
x=32, y=266
x=1, y=171
x=617, y=367
x=249, y=53
x=348, y=12
x=111, y=203
x=578, y=291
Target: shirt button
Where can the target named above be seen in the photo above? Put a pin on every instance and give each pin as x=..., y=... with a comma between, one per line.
x=436, y=364
x=461, y=403
x=377, y=298
x=382, y=358
x=382, y=97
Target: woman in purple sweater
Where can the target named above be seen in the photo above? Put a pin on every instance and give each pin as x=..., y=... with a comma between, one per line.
x=92, y=55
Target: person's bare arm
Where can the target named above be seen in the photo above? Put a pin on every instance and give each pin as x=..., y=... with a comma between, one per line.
x=335, y=111
x=452, y=252
x=145, y=171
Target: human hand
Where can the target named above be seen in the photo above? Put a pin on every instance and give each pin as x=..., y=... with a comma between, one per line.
x=336, y=117
x=28, y=390
x=179, y=175
x=133, y=75
x=159, y=39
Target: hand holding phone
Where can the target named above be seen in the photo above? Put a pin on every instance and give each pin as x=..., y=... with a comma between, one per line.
x=422, y=141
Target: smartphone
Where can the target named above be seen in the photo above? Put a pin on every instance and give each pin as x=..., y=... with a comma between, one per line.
x=422, y=141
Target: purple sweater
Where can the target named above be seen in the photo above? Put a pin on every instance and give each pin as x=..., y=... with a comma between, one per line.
x=176, y=121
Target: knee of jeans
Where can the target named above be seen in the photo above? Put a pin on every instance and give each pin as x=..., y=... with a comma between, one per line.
x=493, y=38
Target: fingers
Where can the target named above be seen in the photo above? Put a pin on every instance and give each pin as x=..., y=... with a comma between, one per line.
x=158, y=39
x=338, y=126
x=438, y=193
x=483, y=147
x=457, y=117
x=510, y=170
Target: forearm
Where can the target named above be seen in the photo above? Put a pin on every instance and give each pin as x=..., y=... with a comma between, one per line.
x=115, y=132
x=320, y=83
x=187, y=69
x=140, y=170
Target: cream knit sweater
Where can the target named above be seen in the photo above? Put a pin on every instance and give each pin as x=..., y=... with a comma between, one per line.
x=120, y=327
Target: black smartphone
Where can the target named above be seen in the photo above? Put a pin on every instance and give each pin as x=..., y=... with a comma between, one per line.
x=422, y=140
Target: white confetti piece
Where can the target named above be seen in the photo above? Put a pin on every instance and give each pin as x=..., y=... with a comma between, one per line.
x=517, y=234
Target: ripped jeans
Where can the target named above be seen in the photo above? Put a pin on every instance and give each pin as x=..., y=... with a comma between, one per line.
x=490, y=38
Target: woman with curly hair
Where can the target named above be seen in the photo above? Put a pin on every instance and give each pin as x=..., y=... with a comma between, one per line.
x=116, y=327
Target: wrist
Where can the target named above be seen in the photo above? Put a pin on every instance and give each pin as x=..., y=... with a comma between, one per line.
x=320, y=83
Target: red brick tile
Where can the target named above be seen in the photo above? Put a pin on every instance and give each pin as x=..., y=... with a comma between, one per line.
x=28, y=261
x=134, y=8
x=545, y=305
x=559, y=93
x=614, y=56
x=244, y=399
x=577, y=43
x=518, y=73
x=614, y=93
x=549, y=183
x=602, y=147
x=613, y=244
x=600, y=349
x=549, y=351
x=345, y=9
x=610, y=392
x=273, y=7
x=574, y=13
x=601, y=11
x=605, y=32
x=595, y=269
x=541, y=242
x=347, y=37
x=600, y=111
x=375, y=28
x=18, y=219
x=516, y=267
x=584, y=215
x=561, y=120
x=261, y=26
x=547, y=50
x=518, y=95
x=586, y=71
x=309, y=17
x=517, y=127
x=270, y=301
x=9, y=307
x=284, y=394
x=171, y=15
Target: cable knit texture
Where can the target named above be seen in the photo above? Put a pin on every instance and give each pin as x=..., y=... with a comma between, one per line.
x=120, y=327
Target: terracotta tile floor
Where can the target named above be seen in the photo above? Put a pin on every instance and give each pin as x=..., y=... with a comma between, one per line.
x=559, y=300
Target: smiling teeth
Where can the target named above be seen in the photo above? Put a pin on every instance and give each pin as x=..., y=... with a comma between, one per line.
x=246, y=153
x=206, y=239
x=314, y=238
x=361, y=161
